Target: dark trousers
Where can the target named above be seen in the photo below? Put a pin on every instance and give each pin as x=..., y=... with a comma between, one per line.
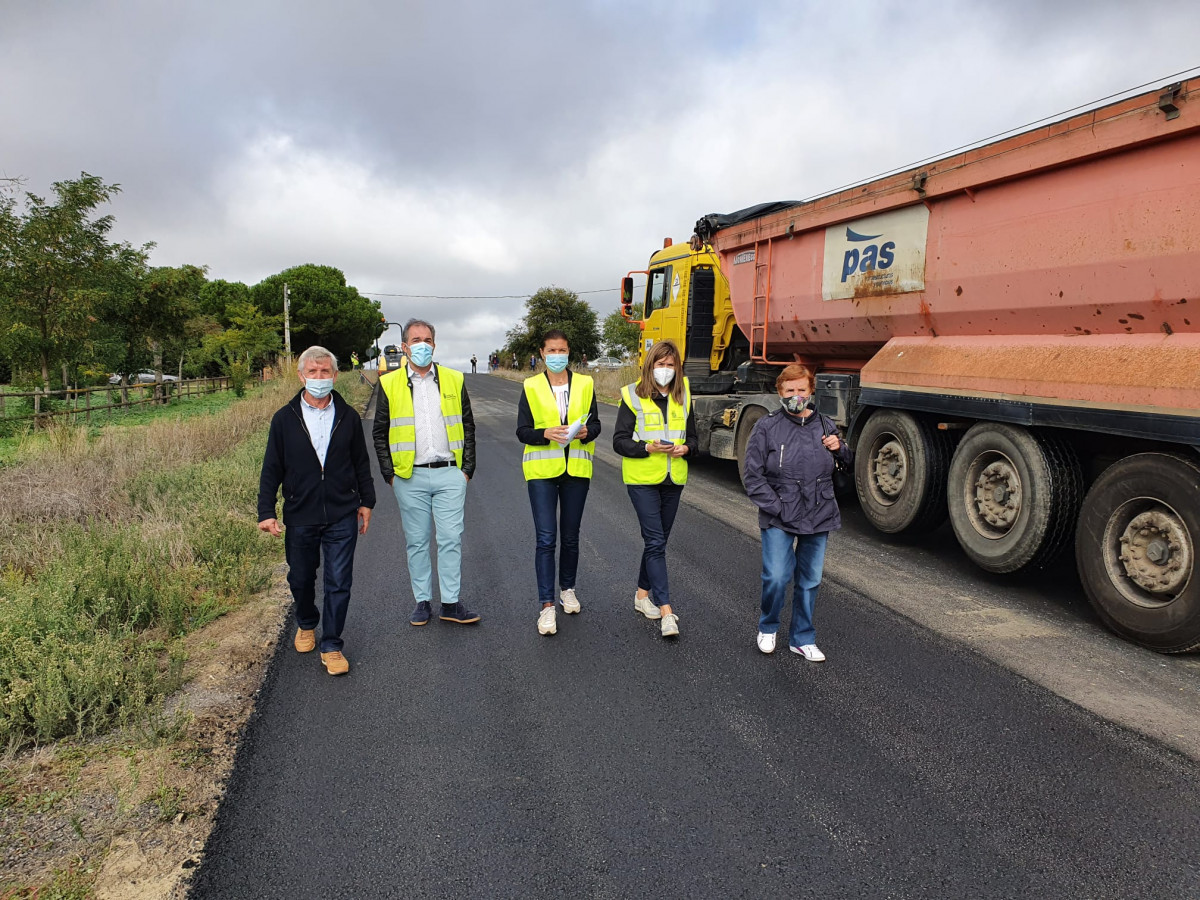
x=655, y=505
x=560, y=499
x=307, y=546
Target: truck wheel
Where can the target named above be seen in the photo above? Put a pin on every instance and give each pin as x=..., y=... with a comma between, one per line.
x=1136, y=550
x=747, y=419
x=1013, y=496
x=900, y=473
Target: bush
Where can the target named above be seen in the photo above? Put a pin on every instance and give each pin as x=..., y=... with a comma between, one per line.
x=239, y=375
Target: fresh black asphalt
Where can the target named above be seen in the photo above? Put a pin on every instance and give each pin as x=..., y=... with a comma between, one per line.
x=488, y=761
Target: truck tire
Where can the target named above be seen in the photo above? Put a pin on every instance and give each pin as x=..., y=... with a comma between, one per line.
x=747, y=419
x=1135, y=549
x=1013, y=496
x=900, y=472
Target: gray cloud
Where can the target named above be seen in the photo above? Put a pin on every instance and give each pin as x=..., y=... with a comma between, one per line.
x=480, y=148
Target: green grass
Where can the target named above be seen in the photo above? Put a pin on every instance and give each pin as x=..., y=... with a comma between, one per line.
x=16, y=436
x=92, y=636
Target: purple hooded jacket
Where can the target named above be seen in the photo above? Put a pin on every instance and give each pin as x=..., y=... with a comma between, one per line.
x=789, y=473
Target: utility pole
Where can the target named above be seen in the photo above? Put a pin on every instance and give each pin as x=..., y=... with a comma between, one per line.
x=287, y=327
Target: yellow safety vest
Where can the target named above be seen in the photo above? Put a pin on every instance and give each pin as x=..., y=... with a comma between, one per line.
x=541, y=461
x=402, y=435
x=655, y=468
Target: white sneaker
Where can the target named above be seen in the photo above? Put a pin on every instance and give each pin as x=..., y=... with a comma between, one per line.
x=546, y=621
x=810, y=652
x=766, y=642
x=646, y=607
x=670, y=625
x=569, y=601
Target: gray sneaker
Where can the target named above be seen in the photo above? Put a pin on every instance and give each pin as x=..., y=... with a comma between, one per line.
x=670, y=625
x=646, y=607
x=569, y=601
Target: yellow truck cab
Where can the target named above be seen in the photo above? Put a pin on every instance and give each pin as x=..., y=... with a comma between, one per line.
x=687, y=301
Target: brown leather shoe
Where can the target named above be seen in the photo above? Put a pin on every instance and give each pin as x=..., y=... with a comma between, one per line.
x=306, y=640
x=335, y=663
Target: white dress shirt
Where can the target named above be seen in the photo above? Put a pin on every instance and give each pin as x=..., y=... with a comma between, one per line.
x=432, y=443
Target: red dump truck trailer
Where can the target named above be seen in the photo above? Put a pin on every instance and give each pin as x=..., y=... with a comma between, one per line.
x=1009, y=336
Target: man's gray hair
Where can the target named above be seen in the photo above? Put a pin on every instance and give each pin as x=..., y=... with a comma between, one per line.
x=312, y=354
x=411, y=322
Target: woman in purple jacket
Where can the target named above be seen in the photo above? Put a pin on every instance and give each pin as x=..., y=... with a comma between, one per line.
x=788, y=474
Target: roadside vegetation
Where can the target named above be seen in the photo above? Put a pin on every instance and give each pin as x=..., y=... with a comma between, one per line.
x=117, y=545
x=20, y=440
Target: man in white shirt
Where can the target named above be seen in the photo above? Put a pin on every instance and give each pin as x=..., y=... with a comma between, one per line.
x=424, y=437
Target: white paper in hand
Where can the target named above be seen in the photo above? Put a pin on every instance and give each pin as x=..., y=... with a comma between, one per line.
x=574, y=428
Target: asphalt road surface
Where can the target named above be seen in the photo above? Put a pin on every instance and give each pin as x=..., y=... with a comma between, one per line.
x=489, y=761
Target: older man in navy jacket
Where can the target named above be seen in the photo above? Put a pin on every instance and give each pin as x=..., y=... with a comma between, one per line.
x=317, y=452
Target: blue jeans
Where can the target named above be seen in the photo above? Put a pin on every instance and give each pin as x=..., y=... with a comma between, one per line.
x=797, y=558
x=562, y=498
x=655, y=505
x=433, y=499
x=306, y=547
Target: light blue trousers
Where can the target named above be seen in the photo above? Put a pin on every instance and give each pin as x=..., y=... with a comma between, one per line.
x=432, y=500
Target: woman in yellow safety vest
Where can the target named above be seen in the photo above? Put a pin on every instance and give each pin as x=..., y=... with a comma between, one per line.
x=655, y=433
x=557, y=421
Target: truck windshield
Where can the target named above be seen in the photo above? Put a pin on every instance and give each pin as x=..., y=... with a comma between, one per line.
x=657, y=287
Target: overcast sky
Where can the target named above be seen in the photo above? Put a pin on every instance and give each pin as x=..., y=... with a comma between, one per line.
x=496, y=147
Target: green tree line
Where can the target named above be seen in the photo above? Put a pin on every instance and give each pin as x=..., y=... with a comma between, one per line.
x=559, y=308
x=76, y=306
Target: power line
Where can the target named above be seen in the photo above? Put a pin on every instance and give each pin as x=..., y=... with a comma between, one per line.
x=477, y=296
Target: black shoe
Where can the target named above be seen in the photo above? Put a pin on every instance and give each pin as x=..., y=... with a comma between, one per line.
x=458, y=612
x=421, y=615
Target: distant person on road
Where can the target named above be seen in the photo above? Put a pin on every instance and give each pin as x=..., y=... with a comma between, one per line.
x=655, y=432
x=424, y=437
x=558, y=469
x=317, y=452
x=790, y=460
x=474, y=363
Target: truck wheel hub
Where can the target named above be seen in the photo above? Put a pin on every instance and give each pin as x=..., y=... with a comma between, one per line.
x=1156, y=551
x=998, y=495
x=890, y=470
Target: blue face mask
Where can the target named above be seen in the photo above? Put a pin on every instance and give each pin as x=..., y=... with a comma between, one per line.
x=318, y=388
x=421, y=354
x=556, y=362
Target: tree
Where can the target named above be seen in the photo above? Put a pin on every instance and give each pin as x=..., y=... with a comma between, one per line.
x=323, y=309
x=217, y=296
x=549, y=308
x=250, y=338
x=172, y=300
x=620, y=336
x=53, y=262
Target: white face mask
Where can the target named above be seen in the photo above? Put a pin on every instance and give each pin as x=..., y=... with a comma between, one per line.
x=664, y=375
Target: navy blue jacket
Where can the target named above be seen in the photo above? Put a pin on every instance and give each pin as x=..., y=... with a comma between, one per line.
x=789, y=474
x=312, y=495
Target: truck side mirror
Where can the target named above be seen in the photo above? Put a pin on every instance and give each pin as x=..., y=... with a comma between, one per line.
x=627, y=297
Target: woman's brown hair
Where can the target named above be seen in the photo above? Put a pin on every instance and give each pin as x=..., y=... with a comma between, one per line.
x=797, y=372
x=646, y=387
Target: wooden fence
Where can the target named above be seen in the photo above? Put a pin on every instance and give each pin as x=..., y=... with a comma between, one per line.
x=81, y=405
